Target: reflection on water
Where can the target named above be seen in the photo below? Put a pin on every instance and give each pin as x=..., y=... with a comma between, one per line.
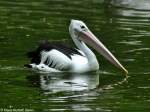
x=133, y=4
x=130, y=8
x=73, y=82
x=56, y=82
x=131, y=19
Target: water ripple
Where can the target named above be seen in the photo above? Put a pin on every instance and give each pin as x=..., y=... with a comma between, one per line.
x=11, y=68
x=135, y=42
x=137, y=50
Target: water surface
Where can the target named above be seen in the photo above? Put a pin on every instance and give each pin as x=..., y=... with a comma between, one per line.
x=122, y=25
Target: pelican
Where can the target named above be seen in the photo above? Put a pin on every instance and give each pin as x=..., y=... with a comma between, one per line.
x=50, y=57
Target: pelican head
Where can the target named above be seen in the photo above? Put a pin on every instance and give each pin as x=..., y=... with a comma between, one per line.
x=83, y=34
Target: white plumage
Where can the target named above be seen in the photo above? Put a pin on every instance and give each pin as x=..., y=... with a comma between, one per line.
x=56, y=61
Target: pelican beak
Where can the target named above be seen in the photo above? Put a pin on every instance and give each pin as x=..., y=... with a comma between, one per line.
x=89, y=38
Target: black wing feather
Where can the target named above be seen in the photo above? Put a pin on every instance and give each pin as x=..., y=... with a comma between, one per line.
x=47, y=46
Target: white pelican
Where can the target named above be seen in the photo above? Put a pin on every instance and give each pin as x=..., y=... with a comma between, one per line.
x=50, y=57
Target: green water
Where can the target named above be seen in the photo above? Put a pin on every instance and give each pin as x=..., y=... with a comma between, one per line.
x=122, y=26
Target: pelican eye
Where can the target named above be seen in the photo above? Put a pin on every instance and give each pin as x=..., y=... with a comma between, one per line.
x=82, y=27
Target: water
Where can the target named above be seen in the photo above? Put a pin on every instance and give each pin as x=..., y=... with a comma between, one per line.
x=122, y=25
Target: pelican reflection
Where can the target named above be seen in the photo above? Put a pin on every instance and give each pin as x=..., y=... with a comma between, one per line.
x=55, y=82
